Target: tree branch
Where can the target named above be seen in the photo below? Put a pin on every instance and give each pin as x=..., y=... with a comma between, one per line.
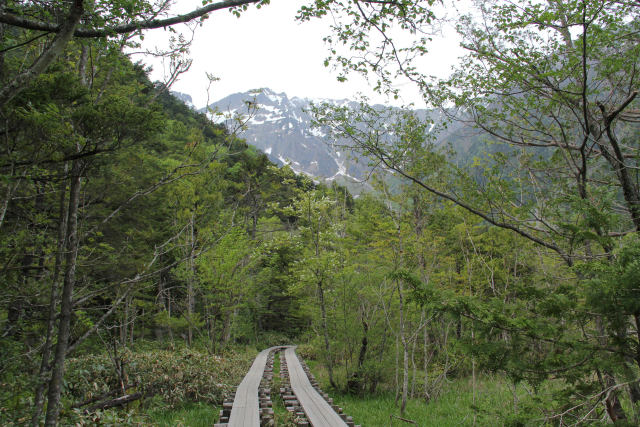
x=32, y=24
x=65, y=33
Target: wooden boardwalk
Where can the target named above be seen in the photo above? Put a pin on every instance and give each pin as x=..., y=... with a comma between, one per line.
x=318, y=411
x=246, y=409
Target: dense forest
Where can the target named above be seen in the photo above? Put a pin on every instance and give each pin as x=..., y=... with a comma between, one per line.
x=148, y=252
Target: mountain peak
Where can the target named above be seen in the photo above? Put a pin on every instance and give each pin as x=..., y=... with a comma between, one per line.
x=264, y=94
x=184, y=97
x=281, y=128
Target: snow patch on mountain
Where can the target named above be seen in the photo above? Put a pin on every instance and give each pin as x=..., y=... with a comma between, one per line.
x=283, y=160
x=317, y=132
x=184, y=97
x=282, y=128
x=274, y=97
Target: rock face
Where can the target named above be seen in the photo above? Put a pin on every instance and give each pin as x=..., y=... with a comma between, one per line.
x=184, y=97
x=281, y=128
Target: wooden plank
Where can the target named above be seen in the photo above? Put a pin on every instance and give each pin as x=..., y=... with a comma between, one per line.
x=246, y=410
x=319, y=412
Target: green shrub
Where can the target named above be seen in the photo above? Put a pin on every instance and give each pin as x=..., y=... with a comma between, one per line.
x=109, y=417
x=307, y=352
x=177, y=376
x=272, y=338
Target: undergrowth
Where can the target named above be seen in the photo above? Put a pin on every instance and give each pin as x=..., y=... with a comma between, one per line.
x=181, y=385
x=490, y=402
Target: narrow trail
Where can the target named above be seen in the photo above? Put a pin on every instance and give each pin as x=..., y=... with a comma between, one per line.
x=318, y=411
x=251, y=406
x=246, y=410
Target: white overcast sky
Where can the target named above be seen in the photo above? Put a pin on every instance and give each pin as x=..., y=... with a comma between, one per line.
x=268, y=48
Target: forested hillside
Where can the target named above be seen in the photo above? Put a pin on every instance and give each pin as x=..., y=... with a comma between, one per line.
x=147, y=252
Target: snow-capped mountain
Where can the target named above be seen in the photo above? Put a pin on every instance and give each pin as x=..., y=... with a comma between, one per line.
x=281, y=127
x=184, y=97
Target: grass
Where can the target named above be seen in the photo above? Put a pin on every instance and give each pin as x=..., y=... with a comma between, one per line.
x=190, y=414
x=493, y=404
x=201, y=414
x=281, y=415
x=454, y=407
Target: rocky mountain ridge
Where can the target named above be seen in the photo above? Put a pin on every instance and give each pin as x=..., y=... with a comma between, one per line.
x=280, y=126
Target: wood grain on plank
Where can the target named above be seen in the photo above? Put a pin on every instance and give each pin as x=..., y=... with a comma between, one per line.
x=246, y=409
x=319, y=412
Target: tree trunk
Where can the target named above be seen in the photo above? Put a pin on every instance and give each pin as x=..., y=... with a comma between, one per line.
x=124, y=322
x=473, y=375
x=189, y=312
x=405, y=376
x=617, y=162
x=3, y=5
x=325, y=331
x=169, y=328
x=405, y=351
x=381, y=353
x=614, y=408
x=612, y=403
x=634, y=385
x=226, y=328
x=414, y=368
x=427, y=394
x=134, y=314
x=355, y=382
x=66, y=305
x=38, y=401
x=11, y=187
x=120, y=401
x=191, y=277
x=158, y=330
x=397, y=371
x=57, y=46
